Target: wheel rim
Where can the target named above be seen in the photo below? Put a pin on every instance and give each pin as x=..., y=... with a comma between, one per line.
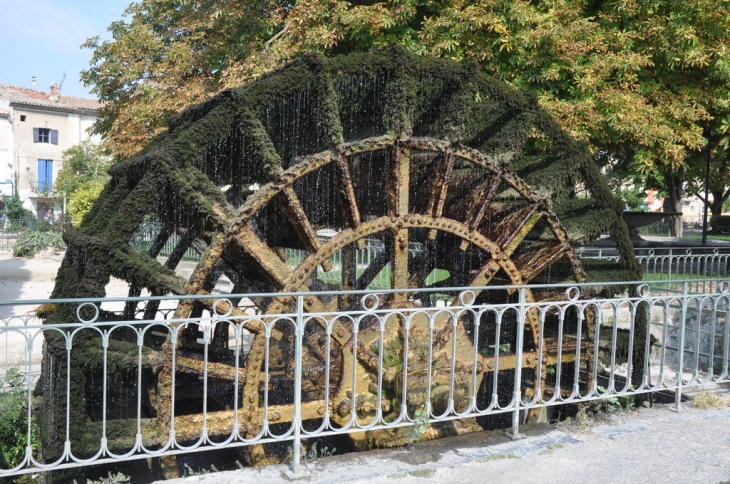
x=395, y=227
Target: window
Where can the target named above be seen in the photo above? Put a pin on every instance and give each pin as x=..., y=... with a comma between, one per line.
x=45, y=135
x=22, y=117
x=45, y=176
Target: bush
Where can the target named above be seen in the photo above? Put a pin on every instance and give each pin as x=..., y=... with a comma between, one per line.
x=81, y=201
x=30, y=243
x=720, y=224
x=14, y=420
x=44, y=226
x=14, y=209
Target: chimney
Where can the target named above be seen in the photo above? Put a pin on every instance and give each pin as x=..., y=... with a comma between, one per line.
x=54, y=93
x=32, y=80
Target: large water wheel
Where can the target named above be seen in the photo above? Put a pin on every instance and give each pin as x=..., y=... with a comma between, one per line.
x=283, y=185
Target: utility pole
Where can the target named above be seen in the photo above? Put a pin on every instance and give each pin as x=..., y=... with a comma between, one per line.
x=707, y=188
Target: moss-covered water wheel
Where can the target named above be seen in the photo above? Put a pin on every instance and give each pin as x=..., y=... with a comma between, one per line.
x=451, y=172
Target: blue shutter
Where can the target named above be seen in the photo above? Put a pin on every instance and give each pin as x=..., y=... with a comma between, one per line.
x=41, y=175
x=36, y=136
x=49, y=172
x=45, y=175
x=54, y=136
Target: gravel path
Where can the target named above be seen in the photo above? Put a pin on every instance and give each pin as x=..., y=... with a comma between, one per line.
x=654, y=446
x=25, y=279
x=29, y=279
x=650, y=445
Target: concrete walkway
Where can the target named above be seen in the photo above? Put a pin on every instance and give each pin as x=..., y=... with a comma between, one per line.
x=651, y=445
x=655, y=240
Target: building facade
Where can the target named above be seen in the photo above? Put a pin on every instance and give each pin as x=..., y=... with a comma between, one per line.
x=35, y=128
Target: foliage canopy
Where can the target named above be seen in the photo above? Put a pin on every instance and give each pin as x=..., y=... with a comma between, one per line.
x=82, y=177
x=640, y=80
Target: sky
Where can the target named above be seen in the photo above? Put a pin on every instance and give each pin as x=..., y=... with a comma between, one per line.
x=41, y=38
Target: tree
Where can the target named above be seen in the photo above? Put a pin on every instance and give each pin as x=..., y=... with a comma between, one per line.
x=628, y=186
x=83, y=199
x=83, y=174
x=719, y=175
x=640, y=80
x=171, y=54
x=14, y=209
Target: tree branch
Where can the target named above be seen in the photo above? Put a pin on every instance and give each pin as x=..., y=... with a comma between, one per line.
x=267, y=45
x=696, y=193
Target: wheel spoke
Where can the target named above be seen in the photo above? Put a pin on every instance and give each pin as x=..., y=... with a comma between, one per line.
x=488, y=190
x=399, y=272
x=476, y=213
x=512, y=230
x=483, y=278
x=533, y=263
x=373, y=269
x=422, y=266
x=439, y=189
x=266, y=261
x=398, y=191
x=348, y=268
x=298, y=218
x=160, y=240
x=346, y=191
x=201, y=273
x=399, y=183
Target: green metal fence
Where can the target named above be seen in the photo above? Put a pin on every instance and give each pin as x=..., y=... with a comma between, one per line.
x=148, y=232
x=10, y=230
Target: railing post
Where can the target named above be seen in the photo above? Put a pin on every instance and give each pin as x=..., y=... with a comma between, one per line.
x=297, y=420
x=680, y=358
x=517, y=395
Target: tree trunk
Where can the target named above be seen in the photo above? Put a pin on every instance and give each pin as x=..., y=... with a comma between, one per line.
x=718, y=188
x=718, y=200
x=674, y=181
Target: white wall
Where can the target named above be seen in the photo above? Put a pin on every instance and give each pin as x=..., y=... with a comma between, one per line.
x=6, y=149
x=17, y=146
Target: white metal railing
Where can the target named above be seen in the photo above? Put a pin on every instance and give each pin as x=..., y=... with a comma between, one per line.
x=542, y=346
x=663, y=265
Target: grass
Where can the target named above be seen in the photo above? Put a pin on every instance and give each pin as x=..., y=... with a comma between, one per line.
x=379, y=282
x=709, y=236
x=419, y=473
x=695, y=282
x=675, y=276
x=498, y=456
x=707, y=400
x=551, y=447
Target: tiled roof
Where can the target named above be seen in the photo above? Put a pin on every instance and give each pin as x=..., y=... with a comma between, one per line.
x=33, y=97
x=81, y=102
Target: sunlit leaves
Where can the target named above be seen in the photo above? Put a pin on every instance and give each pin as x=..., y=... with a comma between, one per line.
x=640, y=77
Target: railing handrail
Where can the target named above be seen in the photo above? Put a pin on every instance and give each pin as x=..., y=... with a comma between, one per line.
x=367, y=292
x=644, y=251
x=682, y=359
x=36, y=185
